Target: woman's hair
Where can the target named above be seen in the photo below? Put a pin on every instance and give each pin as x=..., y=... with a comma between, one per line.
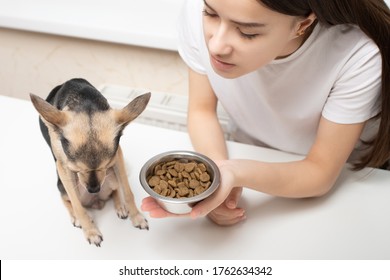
x=373, y=18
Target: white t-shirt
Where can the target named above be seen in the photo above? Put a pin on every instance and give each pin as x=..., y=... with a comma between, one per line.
x=336, y=73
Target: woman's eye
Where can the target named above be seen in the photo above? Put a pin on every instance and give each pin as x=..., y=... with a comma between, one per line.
x=209, y=14
x=247, y=36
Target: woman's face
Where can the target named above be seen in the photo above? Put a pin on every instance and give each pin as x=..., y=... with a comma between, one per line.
x=243, y=35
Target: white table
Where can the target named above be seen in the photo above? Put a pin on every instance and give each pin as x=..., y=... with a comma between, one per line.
x=352, y=222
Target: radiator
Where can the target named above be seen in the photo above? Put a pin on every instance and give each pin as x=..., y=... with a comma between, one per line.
x=165, y=110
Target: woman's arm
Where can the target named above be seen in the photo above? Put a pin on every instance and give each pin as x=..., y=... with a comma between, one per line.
x=313, y=176
x=207, y=138
x=203, y=126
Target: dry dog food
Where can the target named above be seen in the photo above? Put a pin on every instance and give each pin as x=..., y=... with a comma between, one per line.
x=178, y=179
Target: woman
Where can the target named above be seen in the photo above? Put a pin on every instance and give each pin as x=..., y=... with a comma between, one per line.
x=304, y=76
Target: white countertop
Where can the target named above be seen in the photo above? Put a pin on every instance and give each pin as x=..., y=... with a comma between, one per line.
x=146, y=23
x=352, y=222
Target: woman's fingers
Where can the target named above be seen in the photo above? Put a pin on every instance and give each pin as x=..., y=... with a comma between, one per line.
x=227, y=220
x=149, y=204
x=233, y=198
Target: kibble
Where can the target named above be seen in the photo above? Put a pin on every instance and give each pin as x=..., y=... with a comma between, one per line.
x=179, y=179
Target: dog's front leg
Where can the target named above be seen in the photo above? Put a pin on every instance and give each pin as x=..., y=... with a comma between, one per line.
x=136, y=217
x=90, y=230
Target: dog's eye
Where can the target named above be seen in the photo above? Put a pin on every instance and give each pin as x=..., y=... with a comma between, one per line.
x=66, y=147
x=64, y=142
x=73, y=169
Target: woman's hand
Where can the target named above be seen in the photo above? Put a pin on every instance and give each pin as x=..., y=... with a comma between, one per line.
x=221, y=207
x=224, y=215
x=228, y=213
x=149, y=204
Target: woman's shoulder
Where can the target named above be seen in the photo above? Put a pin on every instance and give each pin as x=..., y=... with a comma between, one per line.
x=341, y=45
x=191, y=46
x=346, y=36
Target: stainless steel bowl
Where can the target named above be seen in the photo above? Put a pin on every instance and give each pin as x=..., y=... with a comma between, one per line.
x=179, y=205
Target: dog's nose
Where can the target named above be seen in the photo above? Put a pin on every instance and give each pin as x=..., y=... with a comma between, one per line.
x=93, y=185
x=93, y=189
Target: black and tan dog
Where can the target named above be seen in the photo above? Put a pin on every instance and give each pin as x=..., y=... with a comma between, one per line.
x=83, y=133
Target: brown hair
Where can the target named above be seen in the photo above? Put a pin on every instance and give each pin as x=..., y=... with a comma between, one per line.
x=373, y=18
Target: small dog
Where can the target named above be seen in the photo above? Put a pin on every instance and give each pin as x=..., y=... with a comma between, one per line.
x=83, y=133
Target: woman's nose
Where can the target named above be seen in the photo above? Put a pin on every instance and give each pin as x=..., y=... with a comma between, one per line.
x=219, y=42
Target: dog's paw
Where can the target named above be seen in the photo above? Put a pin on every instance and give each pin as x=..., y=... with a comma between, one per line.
x=122, y=212
x=94, y=237
x=139, y=221
x=75, y=222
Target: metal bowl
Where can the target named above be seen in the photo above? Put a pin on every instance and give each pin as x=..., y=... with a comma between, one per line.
x=185, y=204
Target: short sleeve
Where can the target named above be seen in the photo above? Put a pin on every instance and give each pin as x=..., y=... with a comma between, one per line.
x=355, y=95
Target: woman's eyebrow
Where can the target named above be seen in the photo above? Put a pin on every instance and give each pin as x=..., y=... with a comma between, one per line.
x=243, y=24
x=249, y=24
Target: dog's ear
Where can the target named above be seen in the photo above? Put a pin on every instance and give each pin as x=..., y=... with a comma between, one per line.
x=48, y=112
x=132, y=110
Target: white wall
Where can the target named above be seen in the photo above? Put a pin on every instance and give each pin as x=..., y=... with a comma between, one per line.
x=146, y=23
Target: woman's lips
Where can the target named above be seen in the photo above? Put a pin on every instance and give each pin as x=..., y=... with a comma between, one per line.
x=220, y=65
